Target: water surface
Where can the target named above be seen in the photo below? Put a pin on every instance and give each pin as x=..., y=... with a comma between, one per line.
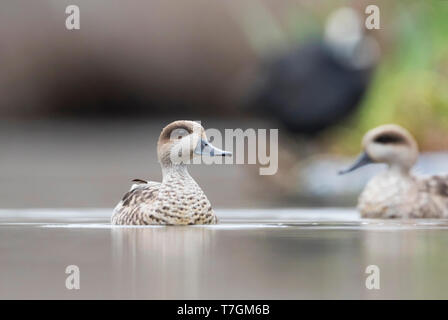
x=269, y=254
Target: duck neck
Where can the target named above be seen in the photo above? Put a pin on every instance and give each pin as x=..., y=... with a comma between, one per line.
x=175, y=171
x=399, y=170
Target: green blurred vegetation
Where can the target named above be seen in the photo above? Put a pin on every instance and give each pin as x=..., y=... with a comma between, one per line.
x=410, y=86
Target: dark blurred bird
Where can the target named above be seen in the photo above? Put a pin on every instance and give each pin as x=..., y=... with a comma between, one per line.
x=321, y=82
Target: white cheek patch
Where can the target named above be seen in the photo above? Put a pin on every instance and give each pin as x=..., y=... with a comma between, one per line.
x=387, y=152
x=182, y=149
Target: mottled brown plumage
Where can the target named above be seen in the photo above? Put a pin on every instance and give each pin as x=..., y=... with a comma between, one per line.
x=178, y=199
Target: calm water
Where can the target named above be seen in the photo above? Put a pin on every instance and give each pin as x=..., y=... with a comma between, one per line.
x=271, y=254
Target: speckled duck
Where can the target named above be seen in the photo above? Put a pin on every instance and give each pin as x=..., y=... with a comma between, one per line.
x=396, y=192
x=178, y=199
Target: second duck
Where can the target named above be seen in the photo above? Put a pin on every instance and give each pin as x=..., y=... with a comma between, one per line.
x=396, y=192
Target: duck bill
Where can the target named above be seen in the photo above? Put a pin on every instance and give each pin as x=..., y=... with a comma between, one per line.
x=206, y=148
x=362, y=160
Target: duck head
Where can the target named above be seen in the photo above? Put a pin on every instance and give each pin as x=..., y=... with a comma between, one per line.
x=389, y=144
x=182, y=140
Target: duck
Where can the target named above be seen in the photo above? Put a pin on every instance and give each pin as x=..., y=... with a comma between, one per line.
x=178, y=199
x=396, y=192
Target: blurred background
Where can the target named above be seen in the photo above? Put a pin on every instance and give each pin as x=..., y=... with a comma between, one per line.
x=81, y=110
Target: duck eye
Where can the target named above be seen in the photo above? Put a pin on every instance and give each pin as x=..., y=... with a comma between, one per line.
x=389, y=138
x=178, y=133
